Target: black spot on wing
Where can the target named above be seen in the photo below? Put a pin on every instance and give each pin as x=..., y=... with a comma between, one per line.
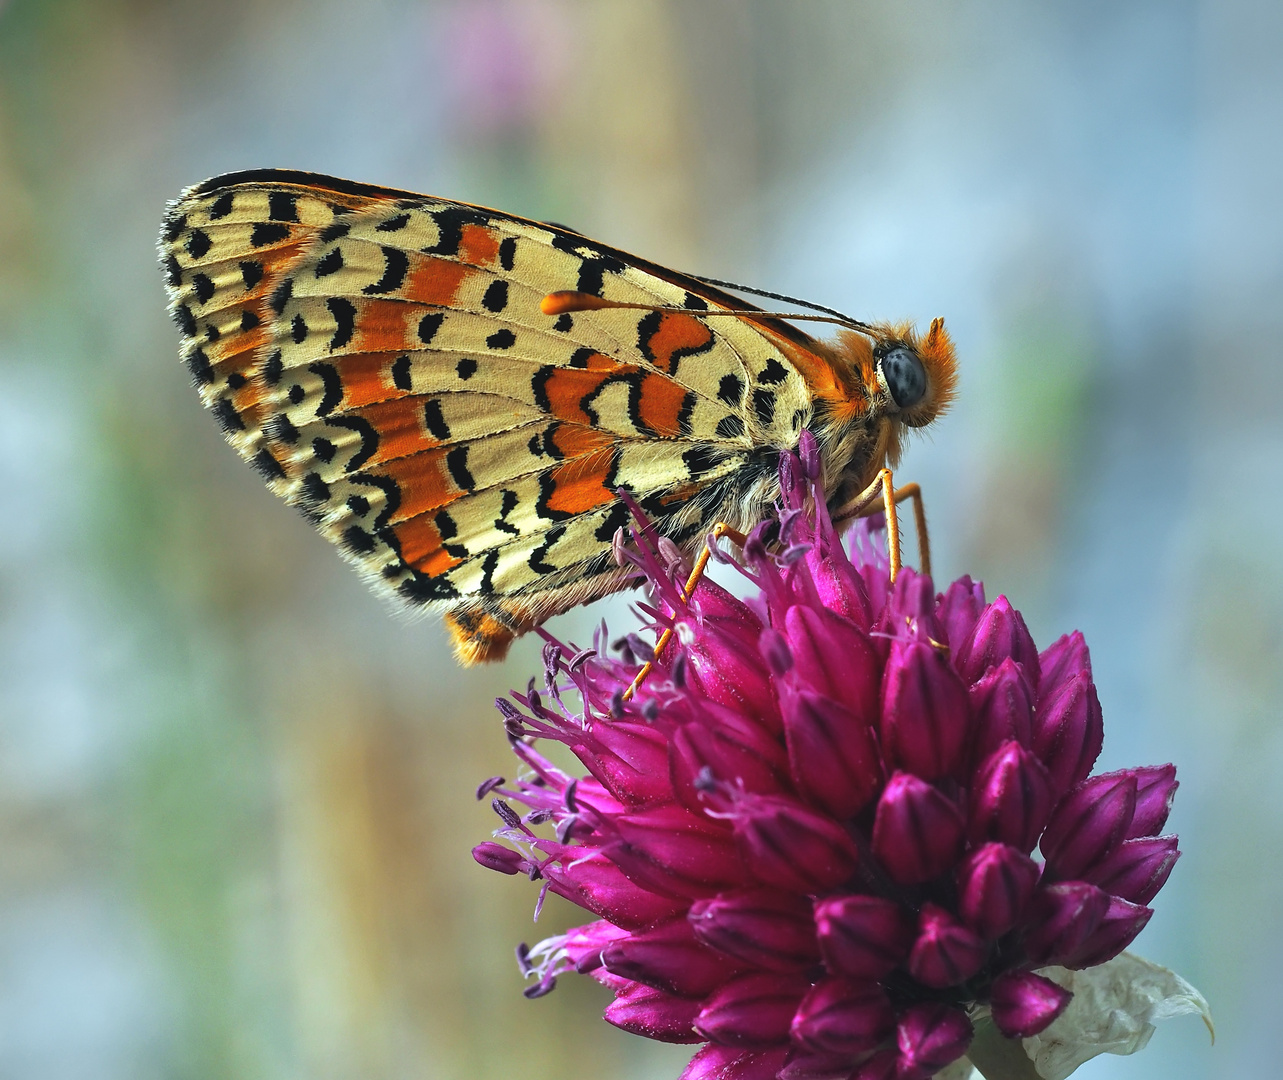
x=315, y=489
x=268, y=232
x=203, y=287
x=508, y=252
x=324, y=449
x=694, y=303
x=174, y=227
x=173, y=272
x=186, y=320
x=273, y=369
x=200, y=367
x=369, y=439
x=393, y=224
x=281, y=295
x=774, y=372
x=281, y=429
x=236, y=380
x=331, y=263
x=227, y=416
x=298, y=329
x=429, y=325
x=198, y=243
x=564, y=322
x=730, y=427
x=434, y=420
x=616, y=518
x=731, y=390
x=501, y=339
x=466, y=368
x=249, y=320
x=334, y=231
x=282, y=206
x=456, y=463
x=764, y=405
x=221, y=207
x=333, y=387
x=395, y=266
x=401, y=373
x=496, y=296
x=536, y=560
x=267, y=466
x=579, y=358
x=251, y=273
x=344, y=312
x=357, y=540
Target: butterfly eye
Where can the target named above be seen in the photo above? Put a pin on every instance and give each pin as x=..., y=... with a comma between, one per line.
x=906, y=377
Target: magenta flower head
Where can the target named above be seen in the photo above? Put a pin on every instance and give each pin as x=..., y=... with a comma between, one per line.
x=839, y=823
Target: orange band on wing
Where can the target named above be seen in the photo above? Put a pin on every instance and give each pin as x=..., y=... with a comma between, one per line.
x=581, y=485
x=436, y=281
x=478, y=245
x=662, y=402
x=676, y=333
x=421, y=547
x=381, y=327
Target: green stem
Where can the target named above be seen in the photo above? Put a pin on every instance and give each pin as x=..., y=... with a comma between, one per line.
x=997, y=1057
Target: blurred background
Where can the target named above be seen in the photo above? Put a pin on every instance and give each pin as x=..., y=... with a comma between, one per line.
x=236, y=790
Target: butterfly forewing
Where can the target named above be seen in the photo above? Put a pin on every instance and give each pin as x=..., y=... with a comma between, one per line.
x=383, y=360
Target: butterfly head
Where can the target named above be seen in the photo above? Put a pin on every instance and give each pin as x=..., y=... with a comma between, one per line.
x=915, y=375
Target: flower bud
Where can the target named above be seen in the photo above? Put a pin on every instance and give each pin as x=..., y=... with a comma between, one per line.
x=924, y=711
x=946, y=952
x=716, y=1062
x=1002, y=709
x=669, y=957
x=841, y=589
x=863, y=937
x=791, y=847
x=881, y=1066
x=1120, y=925
x=995, y=884
x=958, y=610
x=803, y=1063
x=1137, y=869
x=1000, y=632
x=838, y=1016
x=1011, y=798
x=1061, y=918
x=766, y=928
x=833, y=756
x=752, y=1010
x=597, y=884
x=835, y=658
x=1024, y=1004
x=732, y=748
x=495, y=856
x=1155, y=787
x=673, y=852
x=629, y=758
x=1089, y=824
x=1060, y=662
x=654, y=1014
x=912, y=608
x=1069, y=731
x=930, y=1036
x=729, y=671
x=917, y=831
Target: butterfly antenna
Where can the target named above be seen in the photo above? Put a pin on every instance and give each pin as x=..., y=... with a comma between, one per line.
x=567, y=300
x=780, y=296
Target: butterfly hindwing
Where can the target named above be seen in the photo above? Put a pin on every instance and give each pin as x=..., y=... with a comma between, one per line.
x=383, y=360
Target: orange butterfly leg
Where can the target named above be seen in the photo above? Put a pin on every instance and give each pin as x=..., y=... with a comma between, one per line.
x=701, y=564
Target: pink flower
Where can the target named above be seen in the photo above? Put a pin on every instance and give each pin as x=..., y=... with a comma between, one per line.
x=808, y=840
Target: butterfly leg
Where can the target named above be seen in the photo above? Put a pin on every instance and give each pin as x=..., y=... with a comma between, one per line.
x=865, y=505
x=697, y=572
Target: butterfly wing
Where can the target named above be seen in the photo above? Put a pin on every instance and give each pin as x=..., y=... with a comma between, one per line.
x=382, y=359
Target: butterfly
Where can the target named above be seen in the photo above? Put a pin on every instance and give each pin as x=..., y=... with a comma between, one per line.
x=409, y=372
